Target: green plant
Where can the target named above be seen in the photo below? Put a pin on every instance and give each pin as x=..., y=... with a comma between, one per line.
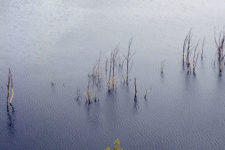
x=116, y=145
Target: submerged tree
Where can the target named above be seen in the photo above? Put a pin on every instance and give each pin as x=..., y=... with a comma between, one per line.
x=88, y=92
x=135, y=88
x=10, y=84
x=187, y=48
x=128, y=60
x=162, y=66
x=114, y=55
x=220, y=49
x=112, y=66
x=203, y=43
x=195, y=59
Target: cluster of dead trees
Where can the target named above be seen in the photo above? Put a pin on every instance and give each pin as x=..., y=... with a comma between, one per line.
x=190, y=48
x=116, y=61
x=117, y=68
x=190, y=51
x=220, y=50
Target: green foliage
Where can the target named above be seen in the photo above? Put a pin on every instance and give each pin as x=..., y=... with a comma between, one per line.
x=107, y=148
x=116, y=145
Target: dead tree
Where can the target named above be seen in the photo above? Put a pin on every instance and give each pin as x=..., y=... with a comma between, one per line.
x=195, y=59
x=95, y=95
x=146, y=93
x=128, y=60
x=52, y=81
x=106, y=67
x=114, y=55
x=78, y=93
x=184, y=47
x=112, y=66
x=9, y=85
x=88, y=92
x=135, y=88
x=187, y=48
x=162, y=66
x=98, y=71
x=203, y=44
x=188, y=53
x=220, y=48
x=109, y=76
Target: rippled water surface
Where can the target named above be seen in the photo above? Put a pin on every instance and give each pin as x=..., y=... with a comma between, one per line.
x=64, y=38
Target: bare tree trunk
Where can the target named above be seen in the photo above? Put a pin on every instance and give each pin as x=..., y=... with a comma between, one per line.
x=220, y=49
x=135, y=88
x=203, y=43
x=114, y=55
x=10, y=84
x=128, y=59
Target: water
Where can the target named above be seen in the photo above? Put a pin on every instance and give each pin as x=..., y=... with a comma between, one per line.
x=63, y=40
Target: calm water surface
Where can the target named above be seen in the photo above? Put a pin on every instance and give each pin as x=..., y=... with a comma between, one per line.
x=63, y=39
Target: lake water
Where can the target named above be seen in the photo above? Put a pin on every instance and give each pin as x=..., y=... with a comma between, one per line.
x=62, y=39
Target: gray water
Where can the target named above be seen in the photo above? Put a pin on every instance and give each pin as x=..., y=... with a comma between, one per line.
x=64, y=38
